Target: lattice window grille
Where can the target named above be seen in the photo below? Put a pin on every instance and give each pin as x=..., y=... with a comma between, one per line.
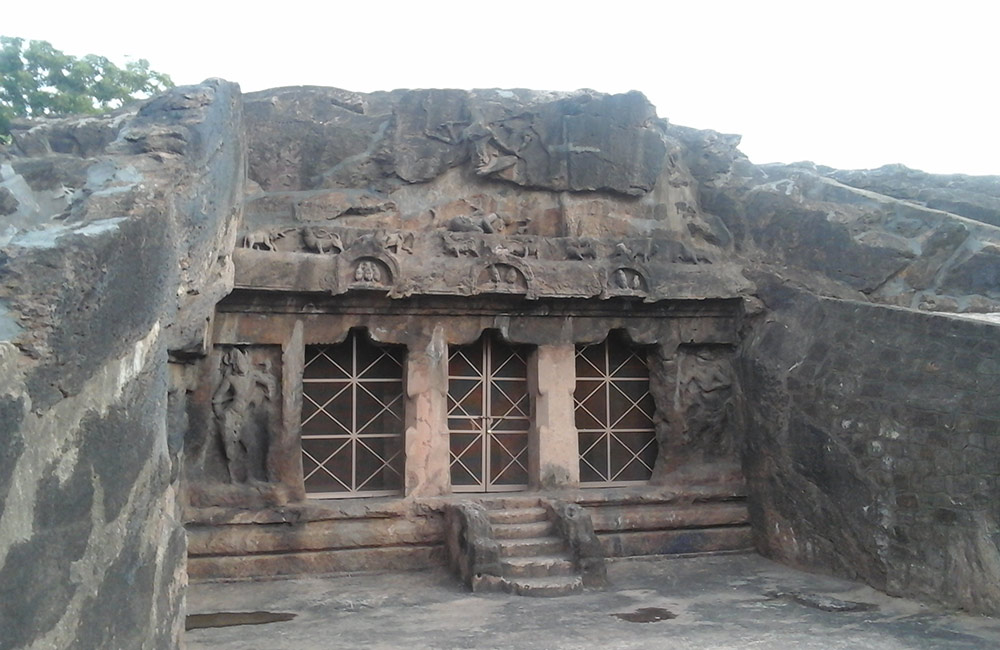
x=349, y=450
x=489, y=414
x=614, y=415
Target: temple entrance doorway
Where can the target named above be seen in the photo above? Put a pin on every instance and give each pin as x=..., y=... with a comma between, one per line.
x=489, y=415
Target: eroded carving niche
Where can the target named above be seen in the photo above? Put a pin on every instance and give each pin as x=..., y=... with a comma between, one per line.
x=697, y=419
x=238, y=410
x=242, y=414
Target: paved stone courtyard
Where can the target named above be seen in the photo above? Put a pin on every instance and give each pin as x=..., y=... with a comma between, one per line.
x=719, y=603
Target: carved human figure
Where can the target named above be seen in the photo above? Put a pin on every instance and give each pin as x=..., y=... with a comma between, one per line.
x=503, y=274
x=628, y=279
x=705, y=389
x=368, y=272
x=242, y=390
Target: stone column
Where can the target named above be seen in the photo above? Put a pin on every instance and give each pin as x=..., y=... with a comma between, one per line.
x=427, y=451
x=285, y=455
x=554, y=446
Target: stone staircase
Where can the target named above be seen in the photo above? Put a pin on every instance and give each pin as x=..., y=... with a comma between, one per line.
x=534, y=560
x=523, y=546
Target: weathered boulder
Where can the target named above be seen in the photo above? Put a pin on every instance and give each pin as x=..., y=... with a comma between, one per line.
x=807, y=224
x=114, y=251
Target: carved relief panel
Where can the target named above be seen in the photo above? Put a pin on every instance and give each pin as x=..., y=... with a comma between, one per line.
x=235, y=416
x=698, y=428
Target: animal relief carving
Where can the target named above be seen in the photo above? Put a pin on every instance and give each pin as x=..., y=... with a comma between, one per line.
x=458, y=246
x=263, y=239
x=516, y=248
x=636, y=250
x=580, y=249
x=397, y=242
x=321, y=240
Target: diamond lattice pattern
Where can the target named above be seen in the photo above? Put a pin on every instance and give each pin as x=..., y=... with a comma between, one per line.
x=614, y=413
x=488, y=415
x=352, y=419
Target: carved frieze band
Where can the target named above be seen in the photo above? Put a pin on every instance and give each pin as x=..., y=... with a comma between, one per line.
x=404, y=262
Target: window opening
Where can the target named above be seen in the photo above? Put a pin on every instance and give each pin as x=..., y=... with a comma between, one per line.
x=352, y=419
x=614, y=413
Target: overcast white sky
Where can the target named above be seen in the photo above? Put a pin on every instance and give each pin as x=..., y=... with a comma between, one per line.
x=848, y=84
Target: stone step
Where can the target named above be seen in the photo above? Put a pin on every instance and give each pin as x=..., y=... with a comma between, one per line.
x=537, y=566
x=671, y=542
x=546, y=587
x=352, y=560
x=512, y=502
x=328, y=535
x=528, y=546
x=521, y=530
x=621, y=518
x=518, y=515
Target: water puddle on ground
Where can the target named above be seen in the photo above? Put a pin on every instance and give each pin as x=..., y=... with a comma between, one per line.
x=229, y=619
x=646, y=615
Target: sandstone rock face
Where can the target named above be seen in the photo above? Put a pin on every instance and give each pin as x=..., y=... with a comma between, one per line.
x=840, y=240
x=114, y=246
x=870, y=430
x=544, y=187
x=809, y=329
x=973, y=197
x=310, y=138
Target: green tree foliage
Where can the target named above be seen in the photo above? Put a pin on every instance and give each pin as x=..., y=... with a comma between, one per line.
x=37, y=80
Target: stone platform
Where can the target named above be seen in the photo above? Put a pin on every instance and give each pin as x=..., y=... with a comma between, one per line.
x=718, y=603
x=349, y=535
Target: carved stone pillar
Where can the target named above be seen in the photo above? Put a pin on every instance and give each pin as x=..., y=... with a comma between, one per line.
x=427, y=451
x=285, y=454
x=554, y=446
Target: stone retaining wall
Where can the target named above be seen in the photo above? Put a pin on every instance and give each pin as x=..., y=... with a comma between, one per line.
x=873, y=439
